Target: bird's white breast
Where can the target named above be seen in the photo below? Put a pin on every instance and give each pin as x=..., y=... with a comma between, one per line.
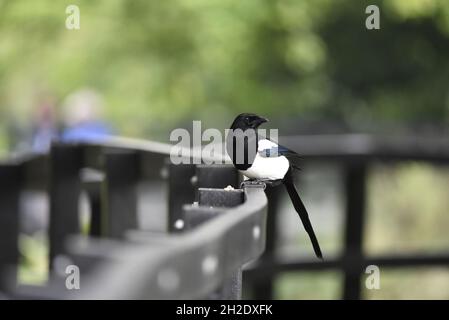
x=265, y=144
x=267, y=168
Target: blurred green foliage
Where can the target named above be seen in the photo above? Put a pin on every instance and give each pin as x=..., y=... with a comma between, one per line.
x=34, y=262
x=407, y=208
x=416, y=283
x=159, y=63
x=324, y=285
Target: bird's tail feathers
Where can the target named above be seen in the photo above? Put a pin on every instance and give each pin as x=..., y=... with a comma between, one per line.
x=302, y=211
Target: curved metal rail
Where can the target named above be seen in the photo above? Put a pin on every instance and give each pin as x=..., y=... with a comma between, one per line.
x=180, y=266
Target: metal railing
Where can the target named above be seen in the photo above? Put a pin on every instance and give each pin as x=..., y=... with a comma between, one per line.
x=211, y=232
x=206, y=244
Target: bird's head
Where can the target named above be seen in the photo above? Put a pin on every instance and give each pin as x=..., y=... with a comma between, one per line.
x=246, y=121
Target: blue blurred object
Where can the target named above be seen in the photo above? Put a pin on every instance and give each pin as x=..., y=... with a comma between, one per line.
x=92, y=131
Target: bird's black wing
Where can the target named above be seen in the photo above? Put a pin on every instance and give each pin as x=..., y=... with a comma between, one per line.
x=278, y=151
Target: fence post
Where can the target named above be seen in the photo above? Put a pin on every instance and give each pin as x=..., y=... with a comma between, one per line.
x=221, y=176
x=121, y=169
x=216, y=201
x=93, y=181
x=355, y=185
x=217, y=176
x=263, y=290
x=10, y=183
x=64, y=190
x=181, y=191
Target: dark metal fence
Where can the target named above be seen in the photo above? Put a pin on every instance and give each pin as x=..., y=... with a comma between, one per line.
x=355, y=154
x=211, y=232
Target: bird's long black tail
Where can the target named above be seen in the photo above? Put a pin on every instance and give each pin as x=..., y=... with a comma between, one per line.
x=302, y=211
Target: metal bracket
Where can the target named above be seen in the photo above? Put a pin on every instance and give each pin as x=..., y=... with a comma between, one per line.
x=260, y=182
x=253, y=184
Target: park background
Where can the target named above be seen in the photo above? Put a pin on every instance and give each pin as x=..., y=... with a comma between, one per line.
x=310, y=66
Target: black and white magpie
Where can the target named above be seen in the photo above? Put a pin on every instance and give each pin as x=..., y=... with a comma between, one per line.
x=264, y=160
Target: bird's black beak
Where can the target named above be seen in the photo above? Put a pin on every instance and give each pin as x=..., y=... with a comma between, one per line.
x=260, y=120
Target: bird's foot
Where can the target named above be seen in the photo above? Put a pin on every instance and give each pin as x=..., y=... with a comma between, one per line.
x=251, y=183
x=260, y=182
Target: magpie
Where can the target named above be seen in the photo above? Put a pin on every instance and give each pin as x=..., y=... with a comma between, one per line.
x=262, y=160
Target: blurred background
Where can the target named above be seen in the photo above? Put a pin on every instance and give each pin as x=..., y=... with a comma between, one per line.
x=142, y=68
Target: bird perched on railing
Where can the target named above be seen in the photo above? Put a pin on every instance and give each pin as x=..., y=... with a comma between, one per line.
x=264, y=161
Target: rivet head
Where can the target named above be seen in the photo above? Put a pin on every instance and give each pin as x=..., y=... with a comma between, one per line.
x=164, y=173
x=179, y=224
x=209, y=264
x=256, y=232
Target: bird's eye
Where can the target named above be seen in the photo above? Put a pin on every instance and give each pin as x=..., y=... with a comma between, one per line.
x=247, y=120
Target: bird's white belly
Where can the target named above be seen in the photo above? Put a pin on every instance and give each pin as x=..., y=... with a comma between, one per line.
x=267, y=168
